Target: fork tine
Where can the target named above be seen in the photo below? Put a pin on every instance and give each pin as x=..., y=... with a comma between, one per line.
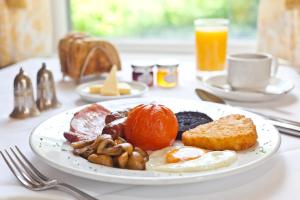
x=23, y=173
x=19, y=177
x=28, y=170
x=45, y=178
x=18, y=168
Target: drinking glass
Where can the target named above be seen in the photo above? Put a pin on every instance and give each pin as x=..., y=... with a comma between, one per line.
x=211, y=43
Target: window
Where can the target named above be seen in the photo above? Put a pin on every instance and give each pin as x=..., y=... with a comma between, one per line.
x=160, y=20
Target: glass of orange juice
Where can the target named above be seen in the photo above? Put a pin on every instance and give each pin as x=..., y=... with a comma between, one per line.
x=211, y=43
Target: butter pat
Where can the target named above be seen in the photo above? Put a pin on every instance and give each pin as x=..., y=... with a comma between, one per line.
x=110, y=85
x=124, y=88
x=95, y=89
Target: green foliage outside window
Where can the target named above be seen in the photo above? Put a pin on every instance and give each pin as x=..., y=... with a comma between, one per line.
x=167, y=19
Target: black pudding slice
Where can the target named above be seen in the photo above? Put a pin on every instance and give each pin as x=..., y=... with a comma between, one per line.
x=190, y=119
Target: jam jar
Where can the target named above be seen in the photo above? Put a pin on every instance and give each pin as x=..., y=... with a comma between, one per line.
x=167, y=74
x=143, y=72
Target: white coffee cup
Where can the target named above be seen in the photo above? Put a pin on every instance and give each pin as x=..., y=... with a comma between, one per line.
x=251, y=70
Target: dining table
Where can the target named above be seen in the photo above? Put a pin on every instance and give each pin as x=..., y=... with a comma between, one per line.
x=277, y=178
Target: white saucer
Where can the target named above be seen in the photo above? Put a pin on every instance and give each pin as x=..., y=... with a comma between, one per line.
x=218, y=85
x=137, y=89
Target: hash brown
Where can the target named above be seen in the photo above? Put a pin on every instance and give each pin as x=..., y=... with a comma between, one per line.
x=232, y=132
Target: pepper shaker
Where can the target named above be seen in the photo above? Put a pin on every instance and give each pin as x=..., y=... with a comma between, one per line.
x=24, y=105
x=46, y=94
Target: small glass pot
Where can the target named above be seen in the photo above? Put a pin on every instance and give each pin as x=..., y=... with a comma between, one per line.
x=143, y=72
x=167, y=74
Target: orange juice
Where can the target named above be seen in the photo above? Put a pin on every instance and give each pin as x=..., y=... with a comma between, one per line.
x=211, y=45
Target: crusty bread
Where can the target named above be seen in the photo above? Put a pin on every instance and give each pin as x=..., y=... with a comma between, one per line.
x=81, y=54
x=233, y=132
x=64, y=49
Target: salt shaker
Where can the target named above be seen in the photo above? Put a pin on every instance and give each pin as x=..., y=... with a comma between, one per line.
x=46, y=94
x=24, y=104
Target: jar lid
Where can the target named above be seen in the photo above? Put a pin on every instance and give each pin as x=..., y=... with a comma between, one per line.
x=167, y=66
x=167, y=63
x=142, y=64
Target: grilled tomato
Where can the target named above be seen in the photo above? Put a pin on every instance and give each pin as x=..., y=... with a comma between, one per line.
x=151, y=127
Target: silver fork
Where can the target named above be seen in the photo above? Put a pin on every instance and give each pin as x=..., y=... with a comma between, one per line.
x=33, y=179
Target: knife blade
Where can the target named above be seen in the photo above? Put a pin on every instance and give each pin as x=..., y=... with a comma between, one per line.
x=283, y=125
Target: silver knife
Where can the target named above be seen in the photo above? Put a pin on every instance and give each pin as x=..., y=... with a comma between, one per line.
x=283, y=125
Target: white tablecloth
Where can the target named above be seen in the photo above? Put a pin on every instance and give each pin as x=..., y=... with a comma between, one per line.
x=276, y=179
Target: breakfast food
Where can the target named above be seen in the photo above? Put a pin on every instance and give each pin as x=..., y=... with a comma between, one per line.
x=115, y=128
x=115, y=123
x=143, y=138
x=190, y=119
x=87, y=123
x=76, y=137
x=105, y=150
x=111, y=87
x=188, y=159
x=81, y=54
x=233, y=132
x=123, y=89
x=151, y=127
x=116, y=115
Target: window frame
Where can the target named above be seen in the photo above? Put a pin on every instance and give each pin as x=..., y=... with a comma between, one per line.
x=177, y=47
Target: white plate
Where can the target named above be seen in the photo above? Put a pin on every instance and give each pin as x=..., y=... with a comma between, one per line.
x=275, y=89
x=48, y=143
x=137, y=89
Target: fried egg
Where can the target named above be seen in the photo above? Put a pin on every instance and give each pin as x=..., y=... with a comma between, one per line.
x=189, y=159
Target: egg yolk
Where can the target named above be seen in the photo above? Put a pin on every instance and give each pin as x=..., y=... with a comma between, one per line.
x=184, y=154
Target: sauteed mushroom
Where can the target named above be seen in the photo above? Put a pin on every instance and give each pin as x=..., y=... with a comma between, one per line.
x=79, y=151
x=81, y=144
x=104, y=144
x=99, y=139
x=142, y=152
x=126, y=147
x=122, y=160
x=119, y=140
x=101, y=159
x=84, y=152
x=115, y=153
x=112, y=151
x=117, y=149
x=136, y=161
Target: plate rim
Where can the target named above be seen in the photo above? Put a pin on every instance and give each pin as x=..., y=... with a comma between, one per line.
x=154, y=180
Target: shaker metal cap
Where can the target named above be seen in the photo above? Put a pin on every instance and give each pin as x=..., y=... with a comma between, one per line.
x=43, y=73
x=22, y=80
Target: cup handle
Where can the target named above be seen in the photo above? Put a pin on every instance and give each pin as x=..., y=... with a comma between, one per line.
x=274, y=67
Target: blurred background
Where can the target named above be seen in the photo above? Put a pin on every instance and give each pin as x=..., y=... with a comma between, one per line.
x=32, y=28
x=160, y=19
